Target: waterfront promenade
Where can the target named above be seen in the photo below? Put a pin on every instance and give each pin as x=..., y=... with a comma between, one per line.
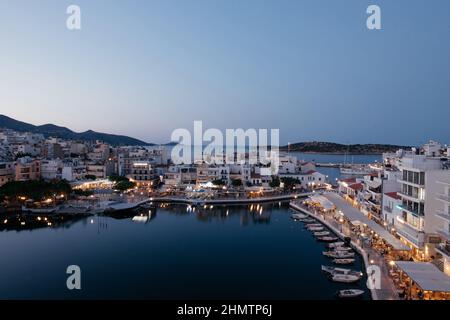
x=387, y=289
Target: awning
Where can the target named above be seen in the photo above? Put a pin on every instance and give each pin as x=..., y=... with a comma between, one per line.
x=353, y=214
x=324, y=202
x=425, y=275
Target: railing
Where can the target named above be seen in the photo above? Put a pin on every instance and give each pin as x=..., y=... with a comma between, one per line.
x=444, y=248
x=443, y=215
x=443, y=197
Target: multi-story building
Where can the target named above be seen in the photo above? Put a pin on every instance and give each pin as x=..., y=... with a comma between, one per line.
x=142, y=173
x=96, y=169
x=51, y=169
x=27, y=168
x=6, y=172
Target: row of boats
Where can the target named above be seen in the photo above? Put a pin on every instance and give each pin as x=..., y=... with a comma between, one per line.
x=339, y=251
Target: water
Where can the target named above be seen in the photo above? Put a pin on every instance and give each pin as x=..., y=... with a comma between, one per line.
x=334, y=173
x=223, y=253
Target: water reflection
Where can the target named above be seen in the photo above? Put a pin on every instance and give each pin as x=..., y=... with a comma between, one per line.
x=252, y=213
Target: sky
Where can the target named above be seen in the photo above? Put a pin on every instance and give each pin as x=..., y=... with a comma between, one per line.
x=310, y=68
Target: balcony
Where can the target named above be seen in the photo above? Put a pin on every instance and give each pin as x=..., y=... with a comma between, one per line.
x=410, y=210
x=444, y=249
x=410, y=183
x=410, y=234
x=444, y=233
x=443, y=215
x=387, y=209
x=443, y=197
x=410, y=197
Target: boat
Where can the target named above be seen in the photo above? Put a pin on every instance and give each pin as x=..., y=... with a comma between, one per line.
x=41, y=211
x=336, y=244
x=343, y=261
x=321, y=233
x=309, y=225
x=356, y=170
x=345, y=278
x=338, y=254
x=307, y=220
x=333, y=270
x=327, y=239
x=316, y=228
x=342, y=249
x=350, y=293
x=298, y=216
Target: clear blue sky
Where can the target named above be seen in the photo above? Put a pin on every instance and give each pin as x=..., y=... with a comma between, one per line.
x=308, y=67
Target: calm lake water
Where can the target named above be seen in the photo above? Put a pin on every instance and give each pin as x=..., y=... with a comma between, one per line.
x=223, y=253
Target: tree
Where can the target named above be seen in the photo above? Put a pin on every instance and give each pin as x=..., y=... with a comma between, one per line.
x=218, y=182
x=289, y=183
x=124, y=185
x=90, y=177
x=36, y=190
x=275, y=183
x=117, y=178
x=236, y=182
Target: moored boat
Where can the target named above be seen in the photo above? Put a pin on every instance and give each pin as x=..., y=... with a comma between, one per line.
x=345, y=278
x=336, y=244
x=327, y=239
x=350, y=293
x=315, y=228
x=342, y=261
x=321, y=233
x=335, y=270
x=298, y=216
x=339, y=254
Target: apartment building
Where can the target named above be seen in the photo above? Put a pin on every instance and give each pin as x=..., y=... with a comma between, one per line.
x=27, y=168
x=6, y=172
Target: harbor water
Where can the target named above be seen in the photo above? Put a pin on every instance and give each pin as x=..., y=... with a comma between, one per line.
x=171, y=252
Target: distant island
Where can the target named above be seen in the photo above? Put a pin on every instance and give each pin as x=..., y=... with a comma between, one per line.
x=337, y=148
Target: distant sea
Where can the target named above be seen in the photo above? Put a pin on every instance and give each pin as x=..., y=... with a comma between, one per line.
x=332, y=173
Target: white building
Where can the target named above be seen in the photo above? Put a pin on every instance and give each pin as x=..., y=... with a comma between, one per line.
x=51, y=169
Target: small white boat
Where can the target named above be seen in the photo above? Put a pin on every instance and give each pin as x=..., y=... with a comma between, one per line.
x=350, y=293
x=308, y=220
x=298, y=216
x=310, y=225
x=343, y=261
x=345, y=278
x=327, y=239
x=342, y=249
x=321, y=233
x=336, y=244
x=334, y=270
x=338, y=254
x=316, y=228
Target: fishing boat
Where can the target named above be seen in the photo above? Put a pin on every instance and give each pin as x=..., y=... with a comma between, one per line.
x=333, y=270
x=336, y=244
x=345, y=278
x=321, y=233
x=298, y=216
x=307, y=220
x=338, y=254
x=327, y=239
x=350, y=293
x=343, y=261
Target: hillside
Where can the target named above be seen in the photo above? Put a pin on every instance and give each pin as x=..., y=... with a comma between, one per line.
x=51, y=130
x=336, y=148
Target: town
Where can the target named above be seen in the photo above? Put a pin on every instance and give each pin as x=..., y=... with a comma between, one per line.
x=401, y=206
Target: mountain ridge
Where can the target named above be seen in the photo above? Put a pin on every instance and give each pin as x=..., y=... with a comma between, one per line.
x=52, y=130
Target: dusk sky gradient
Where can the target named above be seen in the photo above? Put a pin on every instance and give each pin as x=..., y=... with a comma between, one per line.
x=310, y=68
